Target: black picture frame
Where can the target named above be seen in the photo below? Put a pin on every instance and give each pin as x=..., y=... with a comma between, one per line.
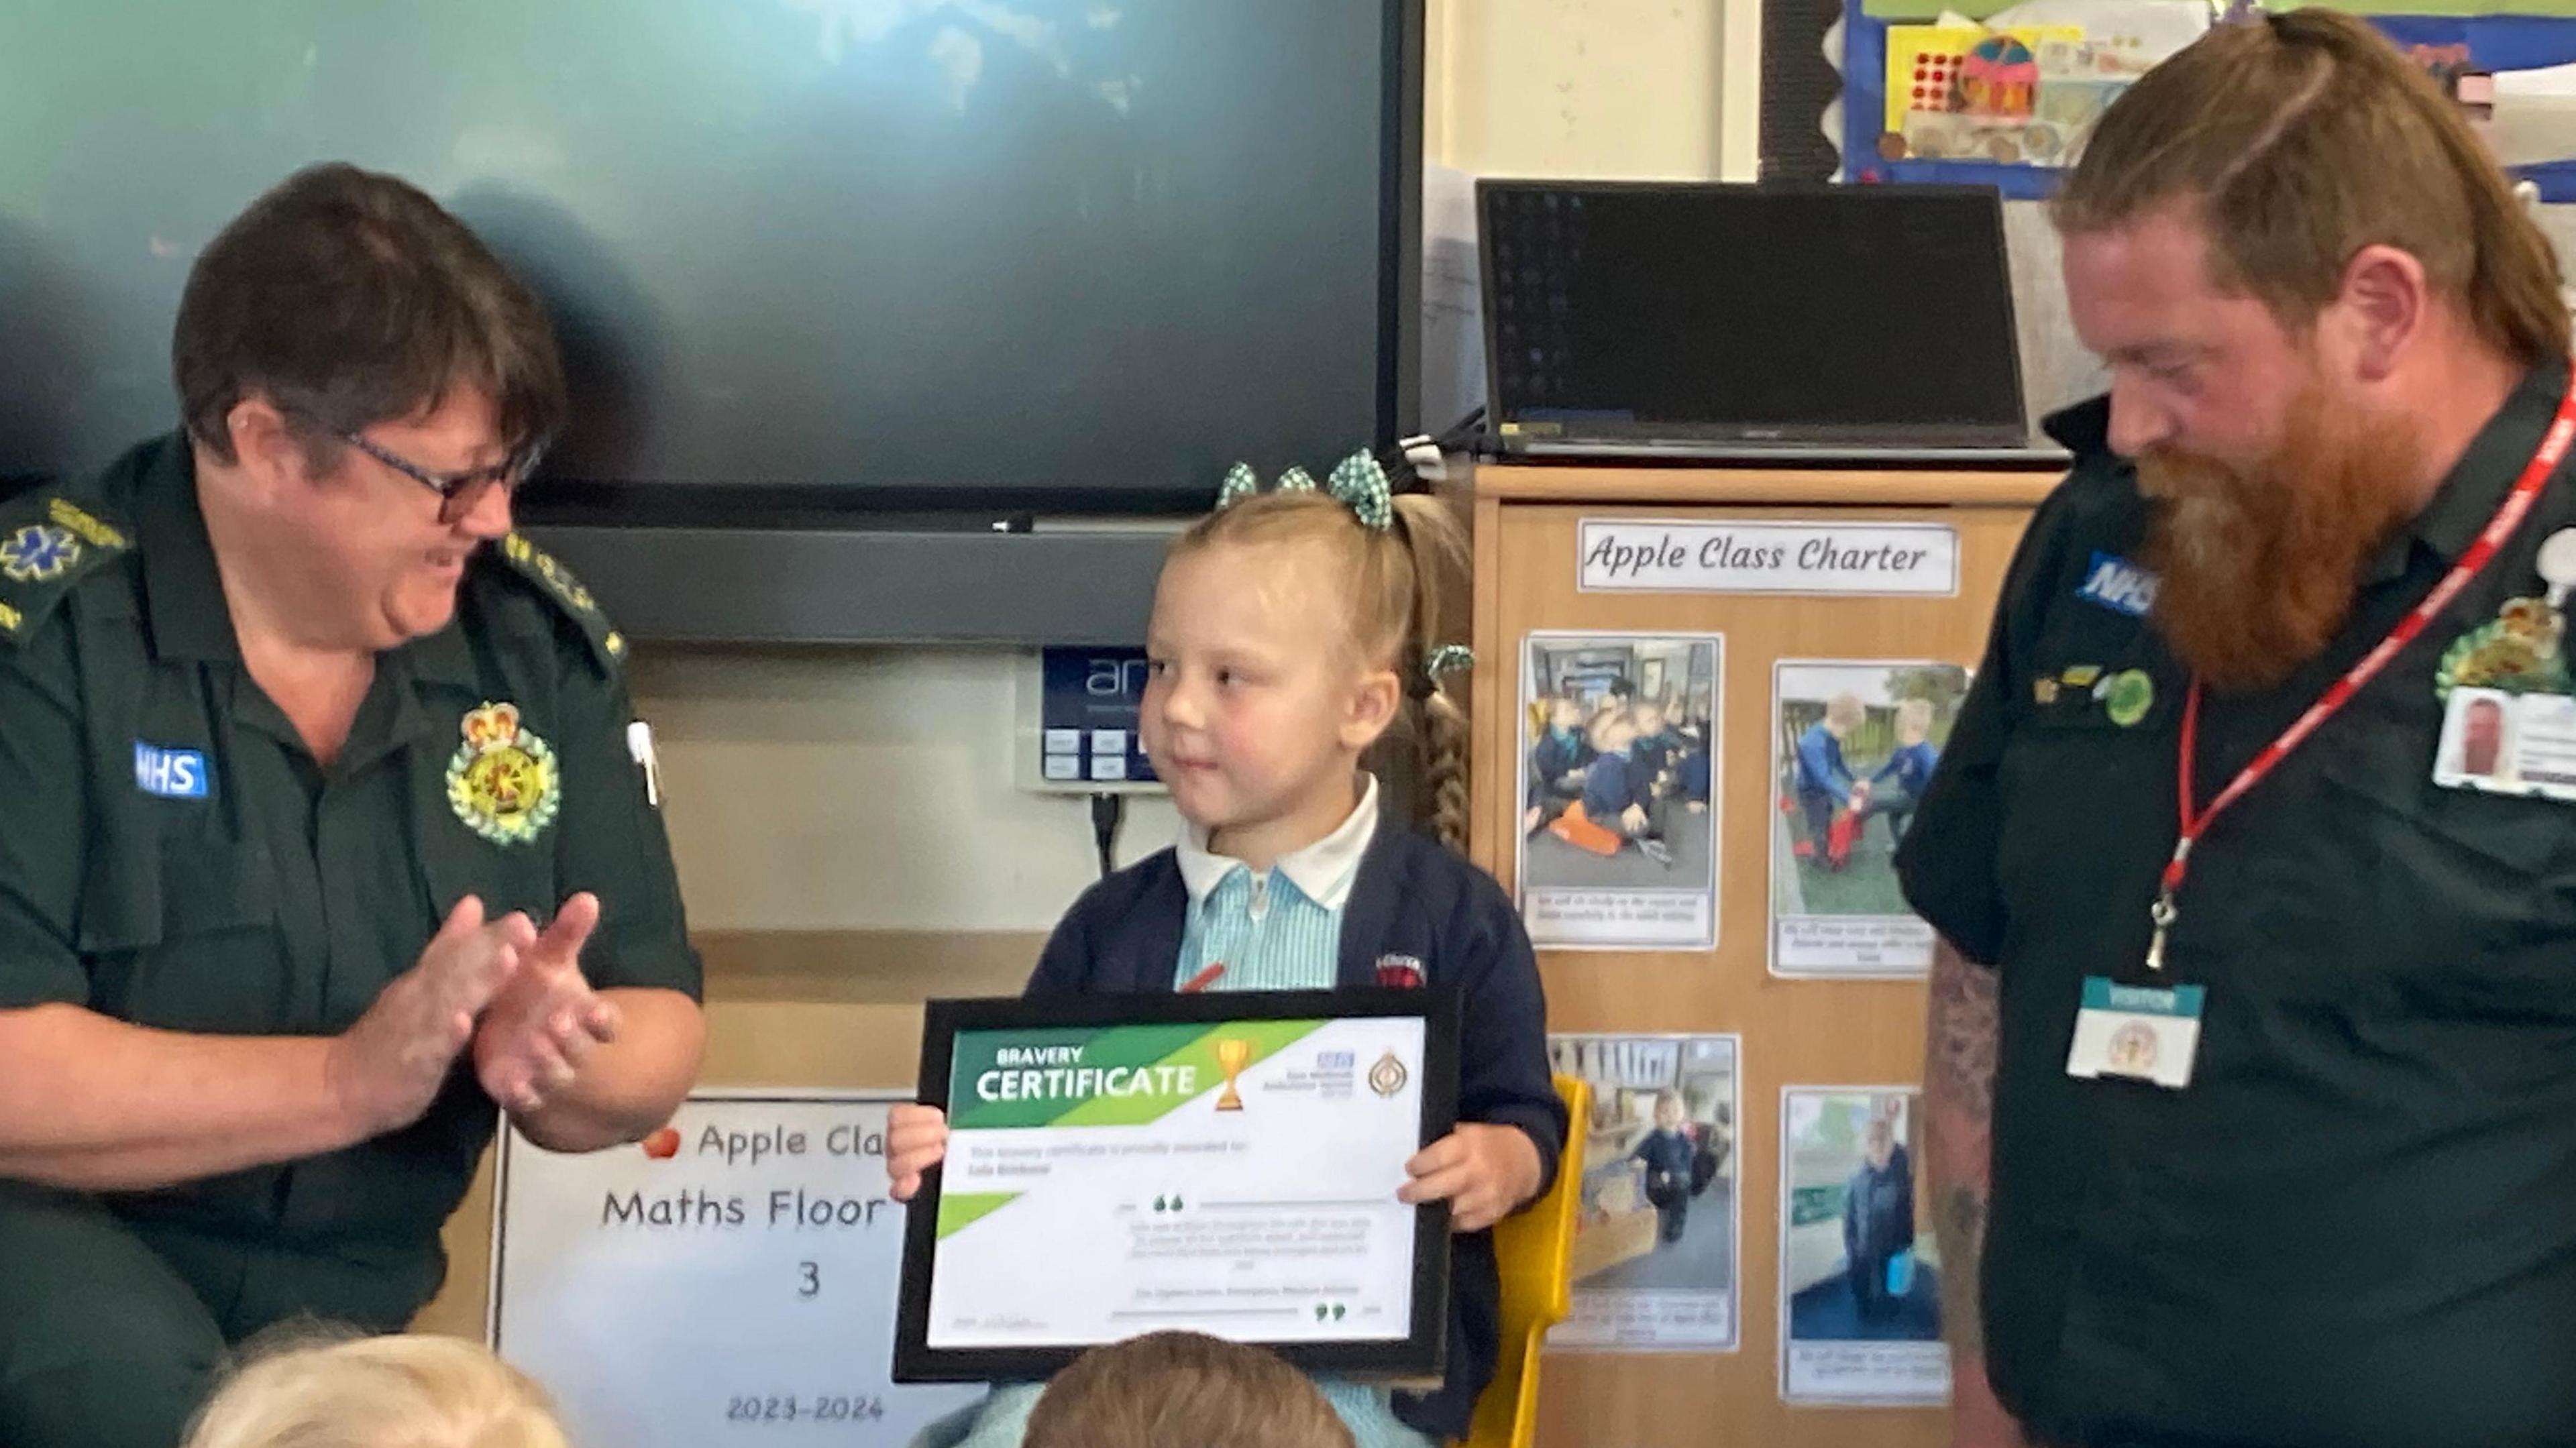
x=1421, y=1357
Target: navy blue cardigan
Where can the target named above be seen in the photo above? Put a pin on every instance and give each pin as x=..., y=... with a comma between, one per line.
x=1412, y=898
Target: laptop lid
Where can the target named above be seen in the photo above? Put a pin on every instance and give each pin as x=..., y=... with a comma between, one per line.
x=1778, y=314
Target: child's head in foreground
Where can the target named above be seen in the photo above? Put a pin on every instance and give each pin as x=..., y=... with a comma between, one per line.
x=1183, y=1390
x=403, y=1391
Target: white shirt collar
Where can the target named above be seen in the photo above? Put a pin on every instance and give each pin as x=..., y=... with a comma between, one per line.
x=1322, y=871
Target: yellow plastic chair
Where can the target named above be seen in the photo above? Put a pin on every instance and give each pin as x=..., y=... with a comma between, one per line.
x=1535, y=1250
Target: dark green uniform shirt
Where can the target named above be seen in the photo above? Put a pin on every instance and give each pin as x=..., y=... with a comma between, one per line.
x=172, y=856
x=2357, y=1224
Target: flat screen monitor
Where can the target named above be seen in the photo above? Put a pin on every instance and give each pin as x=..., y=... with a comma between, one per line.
x=804, y=255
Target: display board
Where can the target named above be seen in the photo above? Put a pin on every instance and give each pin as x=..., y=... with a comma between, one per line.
x=1719, y=933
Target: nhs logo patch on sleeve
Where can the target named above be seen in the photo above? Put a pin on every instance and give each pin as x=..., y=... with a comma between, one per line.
x=2119, y=585
x=170, y=773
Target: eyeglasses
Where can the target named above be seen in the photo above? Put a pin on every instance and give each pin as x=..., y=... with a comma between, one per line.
x=457, y=492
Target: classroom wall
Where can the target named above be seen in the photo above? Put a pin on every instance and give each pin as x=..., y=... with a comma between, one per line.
x=870, y=789
x=862, y=790
x=847, y=830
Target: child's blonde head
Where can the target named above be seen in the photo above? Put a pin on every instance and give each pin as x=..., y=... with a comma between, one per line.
x=413, y=1391
x=1613, y=731
x=1844, y=712
x=1402, y=592
x=1914, y=720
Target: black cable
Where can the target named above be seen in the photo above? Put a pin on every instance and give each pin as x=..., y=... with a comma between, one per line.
x=1465, y=431
x=1461, y=436
x=1107, y=811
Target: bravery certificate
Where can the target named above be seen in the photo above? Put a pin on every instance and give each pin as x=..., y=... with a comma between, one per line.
x=1225, y=1164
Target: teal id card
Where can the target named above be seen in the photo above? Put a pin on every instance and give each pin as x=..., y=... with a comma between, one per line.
x=2137, y=1032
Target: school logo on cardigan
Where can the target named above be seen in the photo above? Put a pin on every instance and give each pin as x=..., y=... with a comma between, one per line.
x=38, y=553
x=501, y=781
x=1399, y=972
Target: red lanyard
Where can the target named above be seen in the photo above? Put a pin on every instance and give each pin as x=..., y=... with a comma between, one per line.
x=2517, y=504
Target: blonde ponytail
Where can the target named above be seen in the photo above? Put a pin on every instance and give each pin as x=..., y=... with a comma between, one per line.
x=1442, y=577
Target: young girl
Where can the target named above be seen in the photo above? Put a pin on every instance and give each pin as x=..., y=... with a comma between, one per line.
x=1290, y=630
x=415, y=1391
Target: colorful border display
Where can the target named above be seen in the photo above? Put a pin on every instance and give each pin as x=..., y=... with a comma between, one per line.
x=2480, y=35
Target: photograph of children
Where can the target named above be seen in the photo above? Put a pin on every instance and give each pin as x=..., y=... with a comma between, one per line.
x=1852, y=746
x=1860, y=1290
x=1655, y=1245
x=1618, y=837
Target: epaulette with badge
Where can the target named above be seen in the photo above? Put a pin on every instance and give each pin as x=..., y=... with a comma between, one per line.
x=47, y=544
x=556, y=582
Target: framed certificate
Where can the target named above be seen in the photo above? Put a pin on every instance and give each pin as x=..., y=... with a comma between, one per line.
x=1225, y=1164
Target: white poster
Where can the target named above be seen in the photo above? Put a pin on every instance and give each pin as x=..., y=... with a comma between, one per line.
x=1619, y=790
x=1649, y=555
x=1655, y=1247
x=1860, y=1273
x=731, y=1280
x=1852, y=746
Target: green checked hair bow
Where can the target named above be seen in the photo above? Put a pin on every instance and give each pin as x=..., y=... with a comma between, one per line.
x=1357, y=482
x=1437, y=664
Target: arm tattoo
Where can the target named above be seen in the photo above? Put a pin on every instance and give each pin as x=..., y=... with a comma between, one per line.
x=1961, y=1231
x=1959, y=1102
x=1964, y=1023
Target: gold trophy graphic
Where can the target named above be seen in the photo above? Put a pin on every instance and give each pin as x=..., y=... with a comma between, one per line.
x=1232, y=1055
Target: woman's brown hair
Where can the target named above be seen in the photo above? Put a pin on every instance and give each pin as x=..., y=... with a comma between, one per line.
x=349, y=298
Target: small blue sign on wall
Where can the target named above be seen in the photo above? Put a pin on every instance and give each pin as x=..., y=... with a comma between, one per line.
x=1089, y=702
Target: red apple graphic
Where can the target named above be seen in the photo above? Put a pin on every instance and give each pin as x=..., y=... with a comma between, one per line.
x=663, y=1144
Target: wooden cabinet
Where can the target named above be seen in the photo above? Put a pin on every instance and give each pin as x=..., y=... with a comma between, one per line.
x=1528, y=520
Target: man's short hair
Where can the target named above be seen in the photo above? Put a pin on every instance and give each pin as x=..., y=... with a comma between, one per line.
x=1183, y=1390
x=2298, y=139
x=349, y=298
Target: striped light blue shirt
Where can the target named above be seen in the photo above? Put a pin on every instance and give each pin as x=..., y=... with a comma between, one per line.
x=1281, y=930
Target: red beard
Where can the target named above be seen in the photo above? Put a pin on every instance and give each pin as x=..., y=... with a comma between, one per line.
x=2260, y=563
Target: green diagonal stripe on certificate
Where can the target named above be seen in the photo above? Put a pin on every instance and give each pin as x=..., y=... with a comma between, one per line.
x=1104, y=1076
x=960, y=1210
